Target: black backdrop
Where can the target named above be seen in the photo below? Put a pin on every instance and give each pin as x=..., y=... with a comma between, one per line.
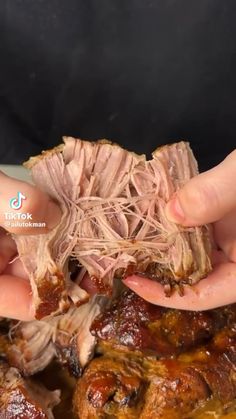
x=140, y=72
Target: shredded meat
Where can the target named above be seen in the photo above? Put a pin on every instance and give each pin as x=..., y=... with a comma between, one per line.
x=23, y=398
x=67, y=338
x=113, y=221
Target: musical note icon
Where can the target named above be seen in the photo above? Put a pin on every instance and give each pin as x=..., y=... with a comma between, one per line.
x=16, y=203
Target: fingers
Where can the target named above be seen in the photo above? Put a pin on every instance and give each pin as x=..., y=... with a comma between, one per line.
x=17, y=198
x=207, y=197
x=7, y=249
x=15, y=298
x=218, y=289
x=217, y=257
x=22, y=204
x=16, y=268
x=225, y=235
x=15, y=292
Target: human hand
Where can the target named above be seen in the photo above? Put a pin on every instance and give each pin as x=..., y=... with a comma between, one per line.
x=15, y=290
x=207, y=198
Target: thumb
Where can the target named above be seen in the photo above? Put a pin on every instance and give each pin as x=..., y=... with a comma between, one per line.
x=24, y=209
x=207, y=197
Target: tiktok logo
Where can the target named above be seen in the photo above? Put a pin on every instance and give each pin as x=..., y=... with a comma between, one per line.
x=16, y=203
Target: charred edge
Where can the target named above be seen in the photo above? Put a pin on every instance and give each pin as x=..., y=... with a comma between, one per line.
x=68, y=356
x=109, y=388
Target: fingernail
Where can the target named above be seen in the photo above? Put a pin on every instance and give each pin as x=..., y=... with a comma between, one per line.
x=174, y=211
x=53, y=215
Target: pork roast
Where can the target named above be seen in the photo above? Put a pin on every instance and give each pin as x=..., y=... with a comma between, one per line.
x=121, y=386
x=148, y=361
x=113, y=221
x=158, y=363
x=22, y=398
x=131, y=323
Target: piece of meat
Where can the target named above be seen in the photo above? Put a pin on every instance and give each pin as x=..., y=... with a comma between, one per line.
x=23, y=398
x=75, y=344
x=131, y=323
x=126, y=385
x=113, y=221
x=109, y=385
x=34, y=344
x=158, y=363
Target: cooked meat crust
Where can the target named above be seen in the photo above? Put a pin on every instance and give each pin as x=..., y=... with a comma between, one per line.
x=23, y=398
x=131, y=323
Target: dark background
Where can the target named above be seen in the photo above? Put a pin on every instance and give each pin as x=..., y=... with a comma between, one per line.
x=139, y=72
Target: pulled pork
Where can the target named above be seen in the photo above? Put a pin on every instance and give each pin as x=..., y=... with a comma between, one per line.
x=67, y=338
x=113, y=221
x=133, y=359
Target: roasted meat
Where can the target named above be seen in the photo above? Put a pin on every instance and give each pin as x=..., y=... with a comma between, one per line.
x=23, y=398
x=158, y=363
x=33, y=345
x=123, y=386
x=148, y=361
x=113, y=221
x=131, y=323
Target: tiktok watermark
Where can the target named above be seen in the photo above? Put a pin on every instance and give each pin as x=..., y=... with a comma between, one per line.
x=19, y=219
x=16, y=203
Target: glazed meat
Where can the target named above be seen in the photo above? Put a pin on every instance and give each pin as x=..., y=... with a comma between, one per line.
x=131, y=323
x=22, y=398
x=125, y=386
x=149, y=361
x=158, y=363
x=113, y=221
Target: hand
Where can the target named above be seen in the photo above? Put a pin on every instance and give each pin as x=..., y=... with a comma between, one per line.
x=207, y=198
x=15, y=290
